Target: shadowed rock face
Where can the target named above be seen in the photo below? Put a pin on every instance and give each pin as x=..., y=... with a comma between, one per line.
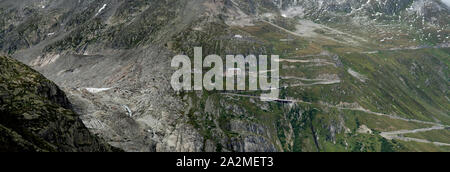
x=36, y=115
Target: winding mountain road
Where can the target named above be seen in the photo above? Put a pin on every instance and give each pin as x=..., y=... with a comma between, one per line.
x=397, y=135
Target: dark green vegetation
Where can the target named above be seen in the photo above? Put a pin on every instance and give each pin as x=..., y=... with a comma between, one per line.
x=35, y=115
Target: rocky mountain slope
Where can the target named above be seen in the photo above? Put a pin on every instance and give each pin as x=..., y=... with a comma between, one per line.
x=37, y=116
x=354, y=73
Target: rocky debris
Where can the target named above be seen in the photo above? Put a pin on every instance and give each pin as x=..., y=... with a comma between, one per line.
x=139, y=112
x=253, y=137
x=363, y=129
x=336, y=127
x=427, y=20
x=113, y=60
x=357, y=75
x=37, y=116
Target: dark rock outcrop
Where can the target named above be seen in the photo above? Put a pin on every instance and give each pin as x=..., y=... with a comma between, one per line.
x=36, y=116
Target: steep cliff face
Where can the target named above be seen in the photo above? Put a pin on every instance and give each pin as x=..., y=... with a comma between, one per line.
x=37, y=116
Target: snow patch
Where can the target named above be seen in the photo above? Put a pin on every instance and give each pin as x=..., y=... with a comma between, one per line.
x=101, y=9
x=96, y=90
x=293, y=12
x=446, y=2
x=130, y=113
